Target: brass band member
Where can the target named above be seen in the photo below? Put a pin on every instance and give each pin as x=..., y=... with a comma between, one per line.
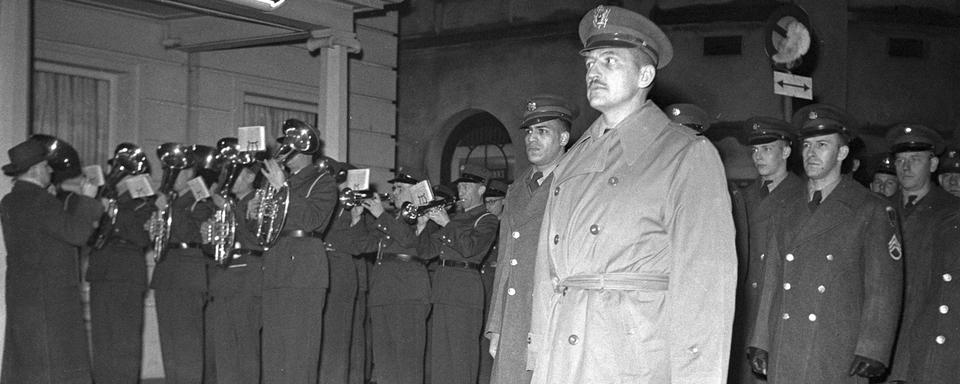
x=180, y=278
x=295, y=271
x=45, y=338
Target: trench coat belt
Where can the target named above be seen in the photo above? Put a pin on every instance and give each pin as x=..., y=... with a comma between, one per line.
x=615, y=281
x=299, y=233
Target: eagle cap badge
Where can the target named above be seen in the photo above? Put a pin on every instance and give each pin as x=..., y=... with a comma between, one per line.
x=600, y=16
x=531, y=106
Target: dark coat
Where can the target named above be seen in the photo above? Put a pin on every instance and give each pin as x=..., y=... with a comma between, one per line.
x=832, y=287
x=511, y=298
x=122, y=257
x=391, y=281
x=467, y=237
x=184, y=269
x=45, y=338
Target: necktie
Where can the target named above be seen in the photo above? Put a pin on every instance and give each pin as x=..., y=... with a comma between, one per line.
x=765, y=188
x=910, y=205
x=533, y=183
x=815, y=201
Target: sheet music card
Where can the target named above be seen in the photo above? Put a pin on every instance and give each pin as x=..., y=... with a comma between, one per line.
x=94, y=175
x=358, y=179
x=139, y=186
x=252, y=138
x=199, y=188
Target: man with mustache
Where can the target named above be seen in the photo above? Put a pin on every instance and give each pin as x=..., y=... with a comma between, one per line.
x=635, y=274
x=830, y=301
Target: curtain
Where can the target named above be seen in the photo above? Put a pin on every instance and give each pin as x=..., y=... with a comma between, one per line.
x=75, y=109
x=273, y=117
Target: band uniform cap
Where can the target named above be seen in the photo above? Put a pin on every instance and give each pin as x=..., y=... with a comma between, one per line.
x=541, y=108
x=689, y=115
x=763, y=129
x=887, y=165
x=470, y=173
x=441, y=191
x=615, y=27
x=907, y=137
x=949, y=162
x=23, y=156
x=823, y=119
x=405, y=178
x=496, y=188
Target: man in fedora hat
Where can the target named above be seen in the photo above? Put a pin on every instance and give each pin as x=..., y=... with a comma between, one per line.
x=636, y=266
x=46, y=342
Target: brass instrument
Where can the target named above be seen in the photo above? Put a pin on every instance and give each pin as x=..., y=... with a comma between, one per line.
x=349, y=198
x=410, y=212
x=272, y=202
x=128, y=160
x=174, y=157
x=223, y=227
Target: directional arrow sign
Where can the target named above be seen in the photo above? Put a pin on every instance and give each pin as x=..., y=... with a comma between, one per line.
x=792, y=85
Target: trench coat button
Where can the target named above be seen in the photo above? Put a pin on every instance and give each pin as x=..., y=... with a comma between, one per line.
x=786, y=316
x=387, y=237
x=947, y=277
x=511, y=291
x=789, y=257
x=613, y=180
x=786, y=286
x=753, y=284
x=594, y=229
x=762, y=256
x=829, y=257
x=556, y=191
x=812, y=317
x=693, y=349
x=941, y=339
x=944, y=309
x=821, y=289
x=556, y=239
x=516, y=234
x=513, y=261
x=573, y=339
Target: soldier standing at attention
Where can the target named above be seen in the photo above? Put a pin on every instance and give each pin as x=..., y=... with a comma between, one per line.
x=885, y=178
x=636, y=266
x=949, y=170
x=830, y=301
x=770, y=140
x=460, y=244
x=546, y=125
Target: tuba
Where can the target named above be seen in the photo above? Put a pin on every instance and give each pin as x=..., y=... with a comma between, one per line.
x=223, y=227
x=128, y=160
x=174, y=157
x=272, y=202
x=410, y=212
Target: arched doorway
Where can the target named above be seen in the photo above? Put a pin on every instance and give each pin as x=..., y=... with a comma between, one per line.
x=479, y=139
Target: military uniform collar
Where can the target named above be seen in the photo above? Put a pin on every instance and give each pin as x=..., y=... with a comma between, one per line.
x=475, y=211
x=636, y=131
x=309, y=172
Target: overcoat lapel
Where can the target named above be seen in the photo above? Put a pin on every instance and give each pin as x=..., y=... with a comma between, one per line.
x=831, y=213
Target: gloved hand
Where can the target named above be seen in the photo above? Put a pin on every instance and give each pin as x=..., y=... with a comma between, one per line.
x=866, y=367
x=758, y=360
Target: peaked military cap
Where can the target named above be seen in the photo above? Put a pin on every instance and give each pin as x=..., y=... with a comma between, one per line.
x=541, y=108
x=887, y=165
x=763, y=129
x=823, y=119
x=497, y=188
x=441, y=191
x=949, y=162
x=614, y=27
x=908, y=137
x=690, y=116
x=405, y=178
x=473, y=174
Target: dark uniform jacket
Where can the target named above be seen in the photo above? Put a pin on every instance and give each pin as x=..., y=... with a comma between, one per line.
x=45, y=339
x=185, y=268
x=832, y=287
x=122, y=259
x=243, y=275
x=300, y=262
x=929, y=352
x=393, y=281
x=510, y=303
x=466, y=238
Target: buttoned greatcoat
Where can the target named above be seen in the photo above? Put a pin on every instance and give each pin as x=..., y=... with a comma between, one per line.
x=832, y=287
x=510, y=302
x=45, y=341
x=760, y=213
x=636, y=264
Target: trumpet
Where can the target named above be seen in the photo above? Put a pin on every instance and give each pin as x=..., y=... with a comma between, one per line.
x=223, y=228
x=349, y=198
x=410, y=212
x=127, y=160
x=174, y=157
x=272, y=202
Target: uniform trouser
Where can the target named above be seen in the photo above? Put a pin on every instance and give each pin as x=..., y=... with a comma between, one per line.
x=338, y=320
x=292, y=326
x=399, y=340
x=235, y=327
x=180, y=321
x=455, y=344
x=358, y=341
x=116, y=331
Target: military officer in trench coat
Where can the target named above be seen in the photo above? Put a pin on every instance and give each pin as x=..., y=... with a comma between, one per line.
x=830, y=301
x=546, y=126
x=636, y=265
x=45, y=341
x=766, y=197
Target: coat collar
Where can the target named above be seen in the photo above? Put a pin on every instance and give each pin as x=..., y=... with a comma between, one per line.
x=835, y=209
x=636, y=132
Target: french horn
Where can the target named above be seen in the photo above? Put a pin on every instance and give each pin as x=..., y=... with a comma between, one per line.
x=174, y=157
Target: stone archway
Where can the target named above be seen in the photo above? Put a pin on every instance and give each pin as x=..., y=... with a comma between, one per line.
x=475, y=136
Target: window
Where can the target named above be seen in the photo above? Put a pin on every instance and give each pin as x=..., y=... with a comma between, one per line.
x=271, y=112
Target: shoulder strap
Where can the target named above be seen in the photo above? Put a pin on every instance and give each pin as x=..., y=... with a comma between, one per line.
x=315, y=181
x=475, y=223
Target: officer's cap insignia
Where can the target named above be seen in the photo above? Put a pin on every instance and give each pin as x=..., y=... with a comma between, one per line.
x=894, y=246
x=531, y=106
x=675, y=111
x=756, y=126
x=813, y=115
x=600, y=16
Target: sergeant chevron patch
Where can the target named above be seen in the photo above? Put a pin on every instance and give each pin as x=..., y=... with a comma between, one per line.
x=894, y=246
